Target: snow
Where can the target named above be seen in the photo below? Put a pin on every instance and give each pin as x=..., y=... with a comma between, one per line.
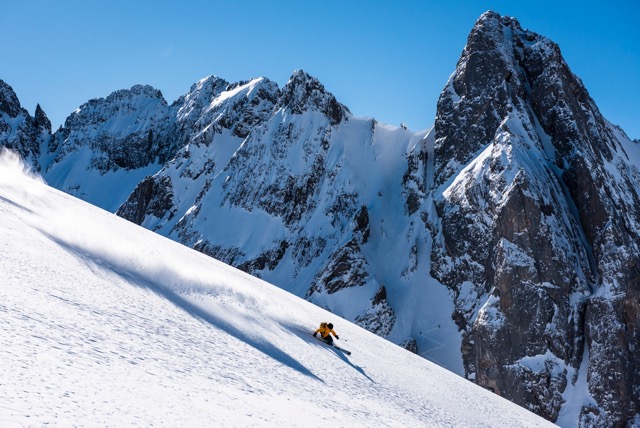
x=75, y=176
x=105, y=323
x=538, y=363
x=576, y=395
x=224, y=96
x=516, y=256
x=490, y=314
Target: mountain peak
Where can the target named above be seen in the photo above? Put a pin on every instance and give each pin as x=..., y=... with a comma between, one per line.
x=41, y=120
x=8, y=100
x=212, y=84
x=489, y=19
x=516, y=131
x=200, y=95
x=504, y=35
x=146, y=91
x=304, y=92
x=500, y=67
x=492, y=21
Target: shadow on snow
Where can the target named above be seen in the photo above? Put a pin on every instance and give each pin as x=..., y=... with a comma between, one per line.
x=308, y=337
x=218, y=321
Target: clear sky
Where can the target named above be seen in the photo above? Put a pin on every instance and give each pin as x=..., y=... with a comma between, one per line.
x=383, y=59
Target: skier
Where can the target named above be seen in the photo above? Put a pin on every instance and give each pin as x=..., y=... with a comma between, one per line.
x=326, y=330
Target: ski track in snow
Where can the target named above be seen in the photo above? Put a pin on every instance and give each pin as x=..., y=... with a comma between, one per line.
x=106, y=324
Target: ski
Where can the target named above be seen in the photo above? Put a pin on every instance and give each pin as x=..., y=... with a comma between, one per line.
x=332, y=345
x=341, y=349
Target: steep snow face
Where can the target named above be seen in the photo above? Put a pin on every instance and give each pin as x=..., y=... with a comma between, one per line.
x=104, y=323
x=532, y=187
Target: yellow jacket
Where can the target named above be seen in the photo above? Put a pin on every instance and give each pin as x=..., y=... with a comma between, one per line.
x=325, y=331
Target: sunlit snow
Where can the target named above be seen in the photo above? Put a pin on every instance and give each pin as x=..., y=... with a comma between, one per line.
x=104, y=323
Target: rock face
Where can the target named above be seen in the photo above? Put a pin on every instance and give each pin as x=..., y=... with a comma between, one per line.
x=502, y=243
x=19, y=131
x=538, y=235
x=152, y=197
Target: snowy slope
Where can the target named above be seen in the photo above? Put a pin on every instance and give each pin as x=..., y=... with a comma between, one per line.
x=106, y=323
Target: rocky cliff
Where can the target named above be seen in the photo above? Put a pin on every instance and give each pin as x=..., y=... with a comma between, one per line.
x=537, y=231
x=19, y=131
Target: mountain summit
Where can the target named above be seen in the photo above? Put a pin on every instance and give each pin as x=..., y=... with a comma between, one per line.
x=538, y=201
x=303, y=92
x=502, y=243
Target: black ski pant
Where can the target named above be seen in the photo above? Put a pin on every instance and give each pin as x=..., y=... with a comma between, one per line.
x=328, y=339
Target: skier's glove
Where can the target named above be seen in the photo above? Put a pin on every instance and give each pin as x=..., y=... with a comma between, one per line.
x=315, y=334
x=337, y=337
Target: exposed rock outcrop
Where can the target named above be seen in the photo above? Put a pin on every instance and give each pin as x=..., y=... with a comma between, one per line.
x=538, y=237
x=19, y=131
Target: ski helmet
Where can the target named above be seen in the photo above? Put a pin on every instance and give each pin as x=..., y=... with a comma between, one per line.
x=330, y=326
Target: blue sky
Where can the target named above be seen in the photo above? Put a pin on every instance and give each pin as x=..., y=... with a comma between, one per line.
x=383, y=59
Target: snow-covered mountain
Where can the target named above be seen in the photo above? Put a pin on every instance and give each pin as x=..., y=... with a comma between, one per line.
x=538, y=228
x=105, y=323
x=501, y=244
x=283, y=183
x=20, y=131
